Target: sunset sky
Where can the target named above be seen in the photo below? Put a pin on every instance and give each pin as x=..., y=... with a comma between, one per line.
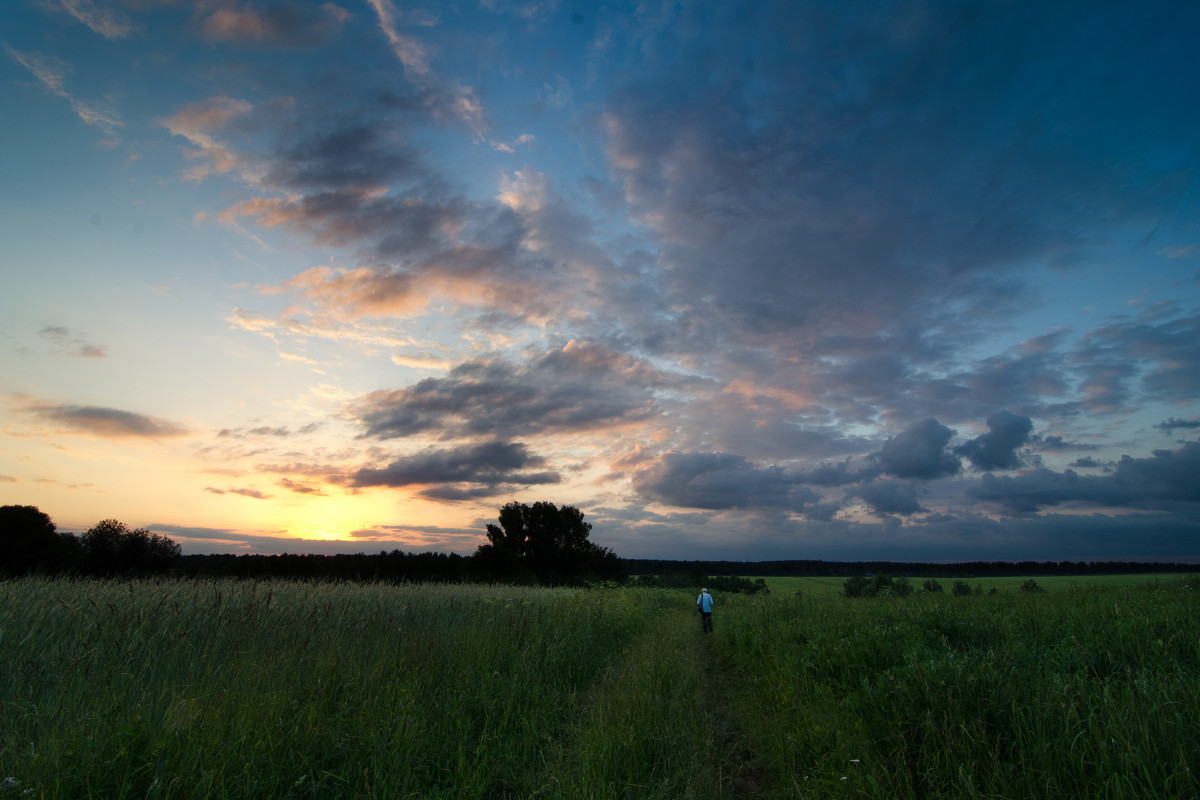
x=838, y=280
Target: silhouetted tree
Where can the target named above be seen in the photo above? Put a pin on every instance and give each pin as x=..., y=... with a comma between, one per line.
x=547, y=541
x=30, y=542
x=111, y=548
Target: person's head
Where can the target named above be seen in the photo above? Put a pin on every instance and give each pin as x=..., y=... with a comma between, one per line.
x=704, y=591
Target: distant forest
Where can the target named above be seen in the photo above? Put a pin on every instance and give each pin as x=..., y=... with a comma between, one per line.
x=534, y=544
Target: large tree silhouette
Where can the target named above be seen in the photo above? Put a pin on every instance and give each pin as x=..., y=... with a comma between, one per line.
x=545, y=542
x=30, y=542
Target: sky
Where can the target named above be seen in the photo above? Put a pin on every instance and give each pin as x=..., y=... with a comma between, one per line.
x=913, y=281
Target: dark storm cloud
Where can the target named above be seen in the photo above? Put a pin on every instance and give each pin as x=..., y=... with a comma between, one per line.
x=890, y=497
x=350, y=153
x=107, y=422
x=1036, y=489
x=574, y=388
x=464, y=472
x=1087, y=462
x=719, y=481
x=1164, y=479
x=919, y=452
x=1173, y=424
x=867, y=163
x=997, y=449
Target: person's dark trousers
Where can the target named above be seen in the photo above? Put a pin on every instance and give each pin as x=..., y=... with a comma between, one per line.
x=706, y=621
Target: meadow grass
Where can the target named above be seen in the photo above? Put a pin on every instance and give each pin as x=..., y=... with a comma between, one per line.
x=245, y=689
x=1081, y=693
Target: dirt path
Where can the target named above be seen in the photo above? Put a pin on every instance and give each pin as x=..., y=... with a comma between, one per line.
x=741, y=776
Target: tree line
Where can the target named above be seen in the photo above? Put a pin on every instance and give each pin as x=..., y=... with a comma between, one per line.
x=533, y=544
x=538, y=544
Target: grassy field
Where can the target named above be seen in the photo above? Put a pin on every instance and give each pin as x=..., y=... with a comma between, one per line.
x=244, y=689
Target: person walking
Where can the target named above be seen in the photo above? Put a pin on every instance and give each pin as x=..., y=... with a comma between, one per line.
x=705, y=603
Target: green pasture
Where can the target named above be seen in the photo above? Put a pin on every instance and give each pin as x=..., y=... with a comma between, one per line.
x=163, y=689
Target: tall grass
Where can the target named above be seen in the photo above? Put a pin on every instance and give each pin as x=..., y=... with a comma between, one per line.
x=290, y=690
x=1089, y=694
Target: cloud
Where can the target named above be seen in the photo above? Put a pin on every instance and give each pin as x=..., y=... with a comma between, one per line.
x=51, y=71
x=1162, y=480
x=797, y=168
x=467, y=472
x=197, y=122
x=366, y=153
x=253, y=493
x=890, y=497
x=408, y=49
x=106, y=422
x=260, y=431
x=445, y=99
x=557, y=391
x=1158, y=355
x=301, y=488
x=997, y=449
x=719, y=481
x=1174, y=423
x=288, y=25
x=919, y=452
x=66, y=341
x=108, y=22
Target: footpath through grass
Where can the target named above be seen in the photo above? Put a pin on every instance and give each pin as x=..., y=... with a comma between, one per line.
x=287, y=690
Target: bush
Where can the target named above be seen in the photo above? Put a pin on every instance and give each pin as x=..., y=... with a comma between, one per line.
x=877, y=586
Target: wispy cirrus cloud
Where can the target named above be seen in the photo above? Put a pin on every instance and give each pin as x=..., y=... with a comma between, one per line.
x=102, y=19
x=52, y=72
x=64, y=340
x=244, y=492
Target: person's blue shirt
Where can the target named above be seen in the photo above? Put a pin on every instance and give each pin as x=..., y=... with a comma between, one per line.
x=705, y=602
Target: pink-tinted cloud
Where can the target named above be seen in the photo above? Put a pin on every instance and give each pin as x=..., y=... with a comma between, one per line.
x=288, y=25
